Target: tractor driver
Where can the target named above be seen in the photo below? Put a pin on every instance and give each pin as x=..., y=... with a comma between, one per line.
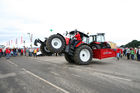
x=78, y=38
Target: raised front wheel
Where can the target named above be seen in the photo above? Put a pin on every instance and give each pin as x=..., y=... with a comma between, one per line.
x=56, y=43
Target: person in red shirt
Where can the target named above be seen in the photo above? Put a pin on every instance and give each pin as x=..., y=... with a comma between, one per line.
x=7, y=51
x=21, y=52
x=78, y=38
x=118, y=53
x=0, y=52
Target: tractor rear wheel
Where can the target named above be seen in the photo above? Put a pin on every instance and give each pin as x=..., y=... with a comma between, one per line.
x=96, y=47
x=69, y=58
x=56, y=43
x=83, y=55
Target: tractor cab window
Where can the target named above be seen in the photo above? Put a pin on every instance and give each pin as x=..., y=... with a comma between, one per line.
x=100, y=38
x=90, y=39
x=85, y=39
x=70, y=36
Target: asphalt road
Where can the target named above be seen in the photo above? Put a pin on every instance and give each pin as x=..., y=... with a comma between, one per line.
x=55, y=75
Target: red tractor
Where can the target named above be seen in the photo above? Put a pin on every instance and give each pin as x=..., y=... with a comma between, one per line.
x=89, y=47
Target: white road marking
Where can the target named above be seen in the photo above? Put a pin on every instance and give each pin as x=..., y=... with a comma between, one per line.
x=12, y=63
x=55, y=86
x=75, y=75
x=111, y=76
x=54, y=73
x=7, y=75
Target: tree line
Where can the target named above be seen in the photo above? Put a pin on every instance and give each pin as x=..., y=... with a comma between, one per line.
x=133, y=44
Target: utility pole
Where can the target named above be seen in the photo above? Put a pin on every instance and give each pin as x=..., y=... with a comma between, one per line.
x=30, y=37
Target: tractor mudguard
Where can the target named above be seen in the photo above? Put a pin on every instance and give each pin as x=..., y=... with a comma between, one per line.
x=61, y=36
x=80, y=44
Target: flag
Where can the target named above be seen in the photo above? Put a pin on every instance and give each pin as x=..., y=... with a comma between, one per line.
x=31, y=37
x=11, y=42
x=16, y=41
x=21, y=40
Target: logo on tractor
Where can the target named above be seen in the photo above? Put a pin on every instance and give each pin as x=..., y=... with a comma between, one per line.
x=105, y=53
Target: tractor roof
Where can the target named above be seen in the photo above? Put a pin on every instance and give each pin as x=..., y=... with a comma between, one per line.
x=81, y=33
x=98, y=34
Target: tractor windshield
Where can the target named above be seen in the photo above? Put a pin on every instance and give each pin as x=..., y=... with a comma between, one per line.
x=100, y=38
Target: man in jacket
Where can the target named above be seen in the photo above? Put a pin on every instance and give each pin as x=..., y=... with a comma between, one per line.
x=78, y=38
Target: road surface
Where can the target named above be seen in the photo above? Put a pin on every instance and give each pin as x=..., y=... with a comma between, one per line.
x=55, y=75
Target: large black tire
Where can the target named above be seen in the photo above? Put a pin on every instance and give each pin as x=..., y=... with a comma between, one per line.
x=44, y=51
x=83, y=55
x=69, y=58
x=56, y=43
x=108, y=45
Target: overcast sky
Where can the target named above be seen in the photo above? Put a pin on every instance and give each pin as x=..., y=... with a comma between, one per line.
x=118, y=19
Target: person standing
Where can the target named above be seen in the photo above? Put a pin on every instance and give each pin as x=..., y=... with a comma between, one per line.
x=21, y=52
x=118, y=53
x=0, y=52
x=25, y=51
x=132, y=53
x=7, y=53
x=35, y=51
x=128, y=53
x=138, y=54
x=14, y=52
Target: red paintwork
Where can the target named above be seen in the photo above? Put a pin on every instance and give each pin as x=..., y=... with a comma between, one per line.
x=97, y=42
x=67, y=40
x=103, y=53
x=79, y=44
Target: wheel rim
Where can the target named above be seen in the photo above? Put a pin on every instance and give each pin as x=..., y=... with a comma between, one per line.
x=84, y=55
x=56, y=43
x=46, y=49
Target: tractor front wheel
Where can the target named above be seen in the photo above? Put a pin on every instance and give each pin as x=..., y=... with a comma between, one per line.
x=83, y=55
x=56, y=43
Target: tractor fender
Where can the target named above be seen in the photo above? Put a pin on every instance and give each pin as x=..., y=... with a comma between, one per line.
x=61, y=36
x=64, y=38
x=81, y=45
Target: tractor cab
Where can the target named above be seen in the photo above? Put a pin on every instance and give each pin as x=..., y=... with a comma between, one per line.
x=84, y=36
x=97, y=38
x=98, y=41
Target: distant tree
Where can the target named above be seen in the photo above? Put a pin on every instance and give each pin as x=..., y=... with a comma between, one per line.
x=133, y=43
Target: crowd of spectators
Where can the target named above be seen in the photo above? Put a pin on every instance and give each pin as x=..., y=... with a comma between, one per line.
x=131, y=53
x=8, y=52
